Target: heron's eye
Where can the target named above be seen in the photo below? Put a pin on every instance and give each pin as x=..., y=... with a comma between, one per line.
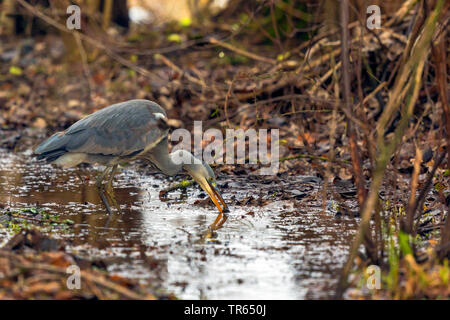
x=213, y=183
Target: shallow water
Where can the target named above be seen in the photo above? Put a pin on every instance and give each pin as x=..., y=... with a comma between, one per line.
x=286, y=249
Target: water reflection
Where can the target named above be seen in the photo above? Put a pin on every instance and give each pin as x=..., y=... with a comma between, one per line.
x=284, y=250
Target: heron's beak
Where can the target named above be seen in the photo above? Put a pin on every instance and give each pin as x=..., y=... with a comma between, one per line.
x=214, y=195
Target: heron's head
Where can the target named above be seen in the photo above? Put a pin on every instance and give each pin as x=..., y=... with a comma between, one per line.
x=204, y=175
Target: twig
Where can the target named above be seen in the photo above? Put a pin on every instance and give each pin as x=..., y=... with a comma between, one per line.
x=439, y=55
x=107, y=12
x=409, y=218
x=84, y=60
x=181, y=185
x=326, y=76
x=308, y=65
x=332, y=138
x=421, y=198
x=274, y=26
x=174, y=67
x=225, y=107
x=244, y=108
x=241, y=51
x=321, y=36
x=402, y=12
x=374, y=92
x=308, y=156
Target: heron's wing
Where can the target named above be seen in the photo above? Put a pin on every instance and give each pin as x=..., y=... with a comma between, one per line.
x=121, y=129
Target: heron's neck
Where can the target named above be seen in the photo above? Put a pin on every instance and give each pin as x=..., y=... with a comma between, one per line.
x=169, y=164
x=172, y=164
x=165, y=162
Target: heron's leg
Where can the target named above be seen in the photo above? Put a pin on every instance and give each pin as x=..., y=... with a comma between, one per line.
x=111, y=177
x=109, y=188
x=101, y=188
x=100, y=178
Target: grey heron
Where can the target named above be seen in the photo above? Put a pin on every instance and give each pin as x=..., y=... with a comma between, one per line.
x=135, y=129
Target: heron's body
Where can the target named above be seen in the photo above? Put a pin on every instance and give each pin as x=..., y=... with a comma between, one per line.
x=122, y=132
x=119, y=132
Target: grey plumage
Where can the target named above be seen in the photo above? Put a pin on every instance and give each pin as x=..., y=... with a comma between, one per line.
x=120, y=130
